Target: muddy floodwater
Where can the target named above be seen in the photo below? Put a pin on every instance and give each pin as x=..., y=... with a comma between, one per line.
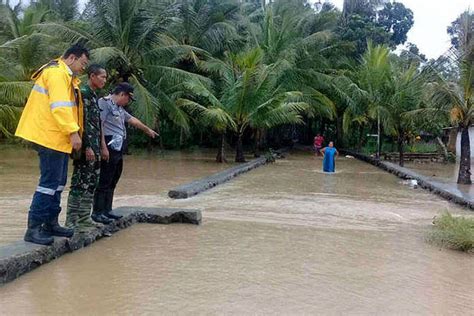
x=282, y=239
x=150, y=174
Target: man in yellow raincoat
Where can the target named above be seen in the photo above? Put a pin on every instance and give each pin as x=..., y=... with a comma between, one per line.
x=52, y=121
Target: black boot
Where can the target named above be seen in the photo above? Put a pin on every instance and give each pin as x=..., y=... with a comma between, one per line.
x=53, y=228
x=100, y=218
x=112, y=216
x=101, y=201
x=109, y=198
x=35, y=234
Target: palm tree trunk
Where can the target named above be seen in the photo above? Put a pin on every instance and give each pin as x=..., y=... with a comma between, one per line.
x=464, y=176
x=339, y=132
x=379, y=138
x=239, y=152
x=361, y=138
x=443, y=148
x=181, y=138
x=221, y=151
x=401, y=155
x=256, y=150
x=158, y=129
x=263, y=138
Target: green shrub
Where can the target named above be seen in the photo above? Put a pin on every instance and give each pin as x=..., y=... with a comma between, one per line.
x=422, y=147
x=453, y=232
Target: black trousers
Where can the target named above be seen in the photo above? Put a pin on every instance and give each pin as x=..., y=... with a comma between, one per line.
x=110, y=172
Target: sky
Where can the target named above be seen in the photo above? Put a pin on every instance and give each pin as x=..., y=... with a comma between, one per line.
x=432, y=17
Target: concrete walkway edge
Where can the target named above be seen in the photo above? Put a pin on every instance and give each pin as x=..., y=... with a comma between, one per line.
x=21, y=257
x=193, y=188
x=447, y=191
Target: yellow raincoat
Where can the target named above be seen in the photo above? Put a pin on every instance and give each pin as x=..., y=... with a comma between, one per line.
x=52, y=113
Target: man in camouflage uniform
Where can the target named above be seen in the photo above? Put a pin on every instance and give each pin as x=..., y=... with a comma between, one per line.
x=86, y=172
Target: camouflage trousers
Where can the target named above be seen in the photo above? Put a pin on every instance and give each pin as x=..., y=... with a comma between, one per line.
x=84, y=181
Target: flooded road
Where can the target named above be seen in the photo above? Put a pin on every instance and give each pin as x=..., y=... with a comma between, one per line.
x=143, y=174
x=284, y=238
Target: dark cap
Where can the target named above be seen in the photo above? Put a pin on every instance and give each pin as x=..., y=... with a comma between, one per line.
x=124, y=87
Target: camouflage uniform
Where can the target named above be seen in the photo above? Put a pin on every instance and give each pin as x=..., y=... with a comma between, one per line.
x=85, y=177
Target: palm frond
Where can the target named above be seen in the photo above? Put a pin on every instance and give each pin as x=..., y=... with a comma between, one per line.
x=67, y=33
x=15, y=93
x=103, y=55
x=146, y=108
x=9, y=117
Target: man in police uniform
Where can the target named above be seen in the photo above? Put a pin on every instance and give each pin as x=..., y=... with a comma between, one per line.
x=52, y=121
x=85, y=177
x=113, y=118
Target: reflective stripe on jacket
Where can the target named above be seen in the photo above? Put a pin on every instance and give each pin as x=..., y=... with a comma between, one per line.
x=51, y=113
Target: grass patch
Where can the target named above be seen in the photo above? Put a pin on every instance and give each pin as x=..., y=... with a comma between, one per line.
x=421, y=147
x=453, y=232
x=391, y=147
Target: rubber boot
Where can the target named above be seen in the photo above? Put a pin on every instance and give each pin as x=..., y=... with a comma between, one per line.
x=79, y=214
x=100, y=202
x=35, y=234
x=53, y=228
x=86, y=223
x=108, y=206
x=112, y=216
x=99, y=217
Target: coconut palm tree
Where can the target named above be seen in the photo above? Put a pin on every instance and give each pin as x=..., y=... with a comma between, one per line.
x=456, y=98
x=131, y=38
x=208, y=24
x=294, y=40
x=404, y=95
x=23, y=51
x=208, y=111
x=372, y=77
x=249, y=97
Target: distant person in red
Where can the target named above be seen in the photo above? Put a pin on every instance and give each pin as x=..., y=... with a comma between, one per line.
x=318, y=144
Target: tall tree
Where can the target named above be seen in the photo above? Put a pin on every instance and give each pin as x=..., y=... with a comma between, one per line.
x=132, y=39
x=456, y=97
x=208, y=24
x=23, y=51
x=404, y=95
x=381, y=22
x=396, y=20
x=250, y=96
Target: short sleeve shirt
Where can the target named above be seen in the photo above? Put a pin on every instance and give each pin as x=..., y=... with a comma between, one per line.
x=113, y=117
x=318, y=141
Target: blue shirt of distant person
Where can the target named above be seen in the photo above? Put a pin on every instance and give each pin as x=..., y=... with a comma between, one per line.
x=329, y=161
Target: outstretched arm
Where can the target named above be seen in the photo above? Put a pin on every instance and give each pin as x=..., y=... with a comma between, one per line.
x=138, y=124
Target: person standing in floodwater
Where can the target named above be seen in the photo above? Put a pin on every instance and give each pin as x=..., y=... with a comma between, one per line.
x=52, y=121
x=318, y=144
x=85, y=177
x=329, y=161
x=114, y=117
